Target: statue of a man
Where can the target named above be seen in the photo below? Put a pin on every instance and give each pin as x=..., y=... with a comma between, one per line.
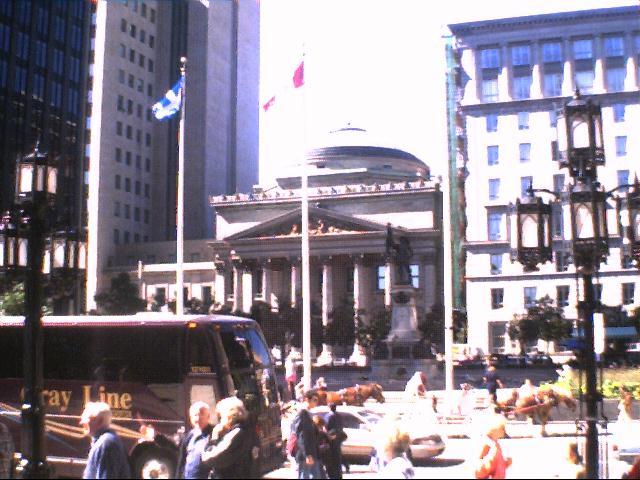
x=401, y=253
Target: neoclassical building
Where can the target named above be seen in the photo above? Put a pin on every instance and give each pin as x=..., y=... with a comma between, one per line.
x=354, y=192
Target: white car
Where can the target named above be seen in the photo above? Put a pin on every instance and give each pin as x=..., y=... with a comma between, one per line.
x=362, y=436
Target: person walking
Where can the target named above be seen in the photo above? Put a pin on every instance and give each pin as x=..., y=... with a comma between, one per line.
x=492, y=463
x=573, y=467
x=306, y=454
x=107, y=457
x=493, y=382
x=290, y=376
x=190, y=456
x=232, y=451
x=335, y=431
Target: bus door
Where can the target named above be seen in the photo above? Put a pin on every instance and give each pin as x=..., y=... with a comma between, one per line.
x=202, y=380
x=251, y=369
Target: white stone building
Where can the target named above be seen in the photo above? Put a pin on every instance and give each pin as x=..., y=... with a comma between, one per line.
x=521, y=72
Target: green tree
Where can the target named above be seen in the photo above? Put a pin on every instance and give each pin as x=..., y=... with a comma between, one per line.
x=542, y=321
x=375, y=330
x=12, y=301
x=121, y=298
x=432, y=327
x=341, y=327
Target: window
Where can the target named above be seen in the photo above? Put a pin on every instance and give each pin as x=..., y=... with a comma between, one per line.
x=529, y=296
x=119, y=128
x=496, y=264
x=130, y=81
x=56, y=94
x=149, y=90
x=133, y=31
x=490, y=58
x=137, y=188
x=492, y=122
x=120, y=103
x=623, y=178
x=136, y=214
x=582, y=49
x=381, y=273
x=72, y=101
x=615, y=79
x=618, y=112
x=126, y=237
x=557, y=221
x=558, y=183
x=123, y=51
x=521, y=87
x=22, y=45
x=523, y=120
x=74, y=68
x=139, y=110
x=597, y=291
x=497, y=298
x=123, y=25
x=525, y=184
x=150, y=65
x=127, y=184
x=143, y=36
x=128, y=160
x=141, y=60
x=147, y=139
x=119, y=155
x=129, y=131
x=614, y=46
x=146, y=216
x=147, y=164
x=520, y=55
x=58, y=61
x=129, y=106
x=140, y=85
x=116, y=236
x=490, y=90
x=621, y=146
x=132, y=55
x=627, y=261
x=116, y=209
x=551, y=52
x=127, y=211
x=525, y=152
x=563, y=260
x=584, y=81
x=58, y=28
x=495, y=226
x=136, y=238
x=553, y=118
x=147, y=191
x=628, y=293
x=38, y=87
x=494, y=188
x=152, y=41
x=42, y=20
x=414, y=270
x=143, y=10
x=4, y=37
x=562, y=295
x=555, y=152
x=152, y=15
x=118, y=182
x=552, y=84
x=3, y=73
x=138, y=162
x=138, y=135
x=492, y=155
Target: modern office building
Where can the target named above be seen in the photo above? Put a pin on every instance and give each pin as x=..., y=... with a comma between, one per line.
x=520, y=72
x=44, y=48
x=133, y=157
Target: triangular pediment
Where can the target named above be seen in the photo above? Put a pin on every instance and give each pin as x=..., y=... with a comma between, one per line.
x=321, y=222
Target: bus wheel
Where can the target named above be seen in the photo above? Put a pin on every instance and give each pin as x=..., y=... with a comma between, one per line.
x=153, y=464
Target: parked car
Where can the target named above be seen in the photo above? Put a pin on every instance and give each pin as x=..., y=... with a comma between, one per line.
x=361, y=426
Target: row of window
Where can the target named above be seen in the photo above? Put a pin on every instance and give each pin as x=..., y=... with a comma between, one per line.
x=562, y=295
x=493, y=151
x=137, y=190
x=127, y=157
x=551, y=51
x=132, y=82
x=143, y=9
x=142, y=60
x=72, y=104
x=623, y=177
x=126, y=212
x=120, y=105
x=128, y=132
x=492, y=119
x=132, y=30
x=551, y=84
x=126, y=237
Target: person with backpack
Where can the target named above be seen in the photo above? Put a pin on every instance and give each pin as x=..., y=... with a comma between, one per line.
x=335, y=432
x=303, y=442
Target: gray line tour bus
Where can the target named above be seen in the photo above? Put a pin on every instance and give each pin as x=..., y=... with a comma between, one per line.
x=149, y=368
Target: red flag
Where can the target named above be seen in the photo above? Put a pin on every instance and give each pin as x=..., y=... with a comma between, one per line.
x=298, y=76
x=269, y=104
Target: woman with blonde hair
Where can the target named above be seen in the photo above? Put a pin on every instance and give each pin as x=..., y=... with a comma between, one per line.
x=492, y=463
x=232, y=451
x=392, y=461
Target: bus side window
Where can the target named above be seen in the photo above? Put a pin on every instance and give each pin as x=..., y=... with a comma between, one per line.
x=237, y=349
x=200, y=351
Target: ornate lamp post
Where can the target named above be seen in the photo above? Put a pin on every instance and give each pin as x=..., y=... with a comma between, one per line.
x=633, y=208
x=581, y=152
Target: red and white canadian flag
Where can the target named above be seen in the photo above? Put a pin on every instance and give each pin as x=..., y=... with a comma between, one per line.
x=298, y=81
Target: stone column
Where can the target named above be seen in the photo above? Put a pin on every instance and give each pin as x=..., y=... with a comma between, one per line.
x=598, y=69
x=536, y=83
x=220, y=291
x=247, y=288
x=326, y=356
x=267, y=287
x=567, y=72
x=358, y=356
x=429, y=278
x=632, y=65
x=504, y=78
x=296, y=272
x=389, y=281
x=237, y=286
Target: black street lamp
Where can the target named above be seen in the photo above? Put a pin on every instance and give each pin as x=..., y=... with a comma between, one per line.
x=581, y=151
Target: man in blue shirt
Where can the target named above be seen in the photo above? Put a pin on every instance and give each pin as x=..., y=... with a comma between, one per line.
x=190, y=459
x=107, y=457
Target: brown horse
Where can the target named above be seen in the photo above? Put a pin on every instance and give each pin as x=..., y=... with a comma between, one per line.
x=359, y=394
x=540, y=405
x=326, y=397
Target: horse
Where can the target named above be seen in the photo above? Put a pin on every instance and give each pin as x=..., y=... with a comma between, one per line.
x=359, y=394
x=326, y=397
x=540, y=404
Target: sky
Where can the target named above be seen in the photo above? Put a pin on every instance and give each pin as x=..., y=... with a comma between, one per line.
x=374, y=64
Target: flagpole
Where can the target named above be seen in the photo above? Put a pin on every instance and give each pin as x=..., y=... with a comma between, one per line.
x=306, y=283
x=180, y=194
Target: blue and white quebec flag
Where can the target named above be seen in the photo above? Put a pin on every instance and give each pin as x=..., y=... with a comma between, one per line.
x=169, y=105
